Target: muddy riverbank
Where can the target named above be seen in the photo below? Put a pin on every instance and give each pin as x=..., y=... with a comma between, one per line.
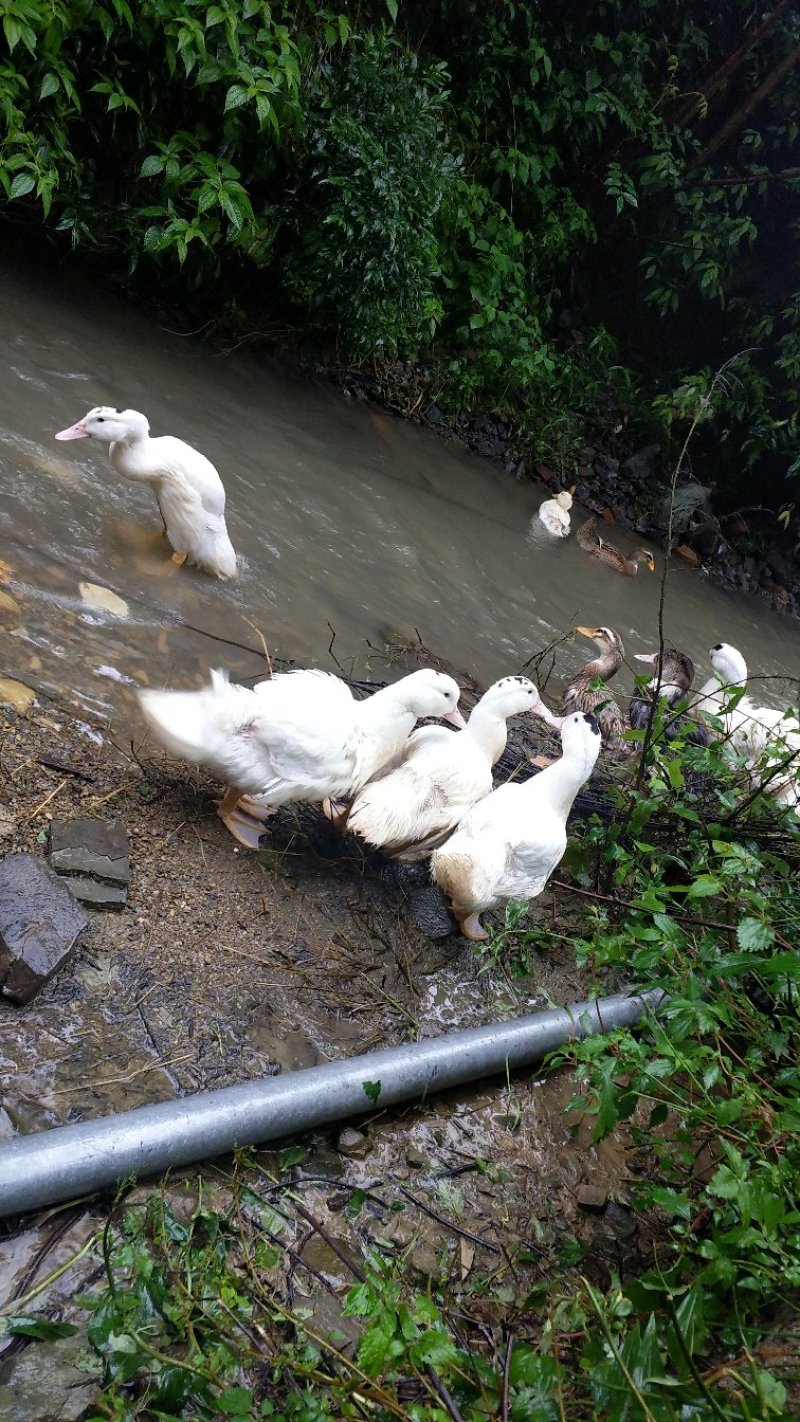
x=226, y=966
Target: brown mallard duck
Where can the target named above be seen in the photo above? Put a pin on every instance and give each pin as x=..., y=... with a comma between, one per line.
x=591, y=542
x=674, y=685
x=585, y=694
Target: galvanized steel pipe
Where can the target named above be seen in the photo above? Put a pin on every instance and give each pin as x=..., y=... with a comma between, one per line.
x=69, y=1161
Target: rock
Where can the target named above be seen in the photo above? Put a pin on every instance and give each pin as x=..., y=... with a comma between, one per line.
x=352, y=1142
x=40, y=923
x=94, y=855
x=687, y=555
x=429, y=910
x=434, y=415
x=101, y=599
x=779, y=566
x=89, y=891
x=8, y=822
x=16, y=694
x=6, y=1125
x=642, y=464
x=44, y=1383
x=591, y=1197
x=415, y=1158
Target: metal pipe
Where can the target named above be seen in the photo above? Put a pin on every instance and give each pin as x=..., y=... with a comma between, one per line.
x=68, y=1161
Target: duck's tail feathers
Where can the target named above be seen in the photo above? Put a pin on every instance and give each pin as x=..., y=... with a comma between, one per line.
x=192, y=724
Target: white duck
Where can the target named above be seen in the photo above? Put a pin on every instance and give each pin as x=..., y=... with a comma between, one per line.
x=299, y=736
x=765, y=736
x=508, y=845
x=554, y=513
x=411, y=807
x=187, y=486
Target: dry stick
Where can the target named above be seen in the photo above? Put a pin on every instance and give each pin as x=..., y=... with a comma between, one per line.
x=743, y=112
x=45, y=801
x=444, y=1395
x=448, y=1224
x=504, y=1415
x=718, y=81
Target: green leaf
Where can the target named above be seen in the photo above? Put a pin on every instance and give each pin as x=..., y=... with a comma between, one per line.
x=374, y=1345
x=50, y=85
x=235, y=97
x=22, y=185
x=703, y=887
x=753, y=936
x=235, y=1401
x=391, y=6
x=152, y=165
x=372, y=1089
x=21, y=1325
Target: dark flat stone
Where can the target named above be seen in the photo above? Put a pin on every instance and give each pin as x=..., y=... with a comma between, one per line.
x=91, y=891
x=86, y=846
x=39, y=925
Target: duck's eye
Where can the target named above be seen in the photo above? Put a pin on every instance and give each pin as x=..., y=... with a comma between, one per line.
x=101, y=419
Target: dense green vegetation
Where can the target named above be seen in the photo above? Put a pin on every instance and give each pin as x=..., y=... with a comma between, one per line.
x=558, y=214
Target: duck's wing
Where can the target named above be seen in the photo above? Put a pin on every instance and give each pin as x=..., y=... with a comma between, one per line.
x=587, y=536
x=420, y=802
x=193, y=469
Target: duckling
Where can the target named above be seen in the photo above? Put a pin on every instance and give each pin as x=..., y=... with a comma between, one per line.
x=582, y=695
x=590, y=541
x=674, y=682
x=508, y=845
x=554, y=513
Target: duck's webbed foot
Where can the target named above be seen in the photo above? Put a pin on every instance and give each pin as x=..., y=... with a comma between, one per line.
x=469, y=921
x=243, y=817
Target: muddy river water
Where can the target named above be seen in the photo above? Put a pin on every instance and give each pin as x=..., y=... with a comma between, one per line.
x=344, y=517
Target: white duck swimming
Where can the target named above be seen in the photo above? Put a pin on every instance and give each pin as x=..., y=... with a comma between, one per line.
x=299, y=736
x=508, y=845
x=554, y=513
x=187, y=486
x=411, y=807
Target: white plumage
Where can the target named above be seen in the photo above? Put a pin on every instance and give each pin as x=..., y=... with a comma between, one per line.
x=188, y=489
x=412, y=806
x=554, y=513
x=508, y=845
x=299, y=736
x=766, y=737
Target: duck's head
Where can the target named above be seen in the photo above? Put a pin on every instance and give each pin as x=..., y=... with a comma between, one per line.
x=676, y=668
x=107, y=424
x=729, y=664
x=431, y=693
x=580, y=734
x=643, y=555
x=564, y=499
x=606, y=638
x=513, y=695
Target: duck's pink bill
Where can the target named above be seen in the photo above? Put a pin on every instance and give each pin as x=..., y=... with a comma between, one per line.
x=76, y=431
x=455, y=718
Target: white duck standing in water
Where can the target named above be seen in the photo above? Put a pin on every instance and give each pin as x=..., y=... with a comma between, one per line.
x=410, y=808
x=509, y=844
x=554, y=513
x=188, y=488
x=299, y=736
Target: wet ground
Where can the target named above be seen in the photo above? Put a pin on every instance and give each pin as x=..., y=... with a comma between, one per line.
x=227, y=965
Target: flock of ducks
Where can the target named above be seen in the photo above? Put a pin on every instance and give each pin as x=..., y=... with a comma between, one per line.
x=414, y=794
x=555, y=516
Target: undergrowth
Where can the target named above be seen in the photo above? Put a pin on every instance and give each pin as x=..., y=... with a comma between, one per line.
x=691, y=888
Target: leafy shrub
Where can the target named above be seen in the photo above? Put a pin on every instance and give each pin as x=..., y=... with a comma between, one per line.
x=365, y=259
